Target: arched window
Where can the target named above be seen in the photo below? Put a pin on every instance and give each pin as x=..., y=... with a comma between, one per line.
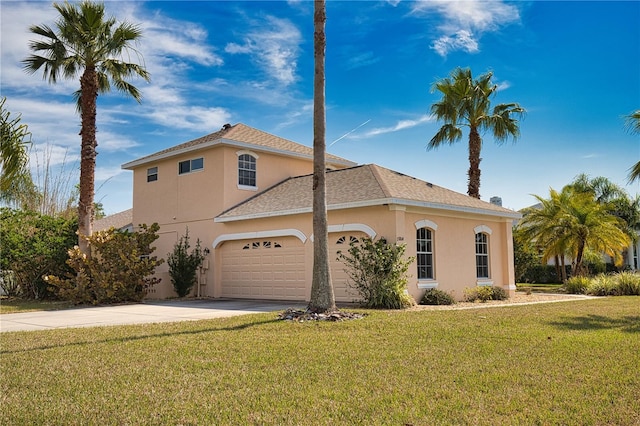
x=247, y=170
x=482, y=255
x=424, y=254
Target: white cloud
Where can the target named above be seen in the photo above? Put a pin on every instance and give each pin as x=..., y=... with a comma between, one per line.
x=400, y=125
x=274, y=45
x=362, y=60
x=462, y=40
x=464, y=22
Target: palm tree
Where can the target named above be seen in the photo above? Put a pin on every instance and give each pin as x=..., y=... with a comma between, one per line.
x=633, y=125
x=88, y=44
x=573, y=222
x=466, y=102
x=322, y=296
x=15, y=178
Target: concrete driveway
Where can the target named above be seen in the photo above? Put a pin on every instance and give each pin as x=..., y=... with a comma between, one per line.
x=140, y=313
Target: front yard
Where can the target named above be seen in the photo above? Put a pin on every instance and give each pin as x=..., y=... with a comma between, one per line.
x=561, y=363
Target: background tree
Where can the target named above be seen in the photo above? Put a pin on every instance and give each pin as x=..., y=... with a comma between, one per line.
x=574, y=223
x=466, y=102
x=633, y=125
x=322, y=296
x=15, y=178
x=88, y=44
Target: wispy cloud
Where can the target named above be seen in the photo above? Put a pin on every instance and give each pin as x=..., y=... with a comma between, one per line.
x=400, y=125
x=274, y=45
x=362, y=60
x=464, y=22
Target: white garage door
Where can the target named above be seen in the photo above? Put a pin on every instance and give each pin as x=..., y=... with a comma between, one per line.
x=340, y=242
x=271, y=268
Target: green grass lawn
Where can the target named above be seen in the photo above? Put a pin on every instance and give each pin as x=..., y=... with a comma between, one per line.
x=11, y=306
x=560, y=363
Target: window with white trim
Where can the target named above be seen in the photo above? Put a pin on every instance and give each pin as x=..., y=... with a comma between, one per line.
x=482, y=255
x=190, y=166
x=247, y=170
x=152, y=174
x=424, y=254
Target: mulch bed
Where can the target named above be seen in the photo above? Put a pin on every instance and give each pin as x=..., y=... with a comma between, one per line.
x=300, y=315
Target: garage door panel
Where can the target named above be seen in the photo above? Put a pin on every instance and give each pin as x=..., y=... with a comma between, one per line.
x=266, y=269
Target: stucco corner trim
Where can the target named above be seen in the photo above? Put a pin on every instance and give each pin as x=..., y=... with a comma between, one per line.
x=427, y=284
x=512, y=287
x=346, y=227
x=260, y=234
x=426, y=223
x=482, y=229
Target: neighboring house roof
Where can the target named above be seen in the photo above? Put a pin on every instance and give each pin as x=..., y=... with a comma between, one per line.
x=361, y=186
x=241, y=136
x=122, y=220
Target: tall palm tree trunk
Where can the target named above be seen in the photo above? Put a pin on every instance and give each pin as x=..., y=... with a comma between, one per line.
x=322, y=296
x=475, y=144
x=88, y=96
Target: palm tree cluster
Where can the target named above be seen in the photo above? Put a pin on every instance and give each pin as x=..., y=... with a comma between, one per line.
x=588, y=216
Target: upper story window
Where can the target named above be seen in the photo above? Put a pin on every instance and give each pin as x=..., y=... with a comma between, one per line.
x=152, y=174
x=189, y=166
x=482, y=255
x=424, y=253
x=247, y=170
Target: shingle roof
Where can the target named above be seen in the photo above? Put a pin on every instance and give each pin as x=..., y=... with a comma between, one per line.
x=240, y=135
x=359, y=186
x=120, y=220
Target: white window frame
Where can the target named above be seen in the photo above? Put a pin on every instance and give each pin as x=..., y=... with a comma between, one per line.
x=255, y=170
x=483, y=279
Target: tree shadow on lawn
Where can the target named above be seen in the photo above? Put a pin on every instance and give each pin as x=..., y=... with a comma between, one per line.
x=627, y=324
x=141, y=337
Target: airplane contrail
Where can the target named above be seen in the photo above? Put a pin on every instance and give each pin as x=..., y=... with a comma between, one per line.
x=349, y=132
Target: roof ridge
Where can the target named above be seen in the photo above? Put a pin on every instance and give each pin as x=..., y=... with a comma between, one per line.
x=376, y=173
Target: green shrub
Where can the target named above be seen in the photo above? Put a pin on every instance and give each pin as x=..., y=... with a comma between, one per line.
x=577, y=285
x=118, y=269
x=183, y=265
x=484, y=294
x=34, y=246
x=378, y=272
x=628, y=283
x=602, y=285
x=499, y=293
x=433, y=296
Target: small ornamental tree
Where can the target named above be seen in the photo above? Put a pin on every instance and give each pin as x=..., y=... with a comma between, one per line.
x=119, y=270
x=377, y=270
x=183, y=265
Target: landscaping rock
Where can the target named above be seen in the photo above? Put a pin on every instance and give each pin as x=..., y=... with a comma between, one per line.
x=300, y=315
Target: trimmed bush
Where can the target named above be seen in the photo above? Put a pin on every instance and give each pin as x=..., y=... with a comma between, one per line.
x=484, y=294
x=433, y=296
x=577, y=285
x=377, y=270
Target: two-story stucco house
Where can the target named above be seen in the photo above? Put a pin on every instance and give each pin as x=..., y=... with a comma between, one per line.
x=246, y=195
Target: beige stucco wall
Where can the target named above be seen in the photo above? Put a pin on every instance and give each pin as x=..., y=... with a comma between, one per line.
x=177, y=202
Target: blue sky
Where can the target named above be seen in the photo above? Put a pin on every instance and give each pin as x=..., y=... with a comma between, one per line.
x=574, y=65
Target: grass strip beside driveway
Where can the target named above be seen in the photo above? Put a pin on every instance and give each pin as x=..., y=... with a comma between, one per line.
x=563, y=363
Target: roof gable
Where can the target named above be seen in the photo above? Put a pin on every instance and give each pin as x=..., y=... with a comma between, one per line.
x=360, y=186
x=241, y=136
